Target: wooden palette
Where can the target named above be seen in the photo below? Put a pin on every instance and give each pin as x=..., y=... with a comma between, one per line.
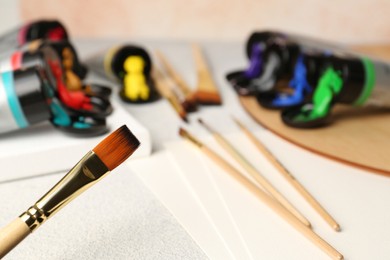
x=357, y=136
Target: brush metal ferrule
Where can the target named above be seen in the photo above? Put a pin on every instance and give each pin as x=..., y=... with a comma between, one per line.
x=83, y=175
x=191, y=138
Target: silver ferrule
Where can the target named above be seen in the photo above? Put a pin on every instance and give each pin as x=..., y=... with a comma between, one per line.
x=84, y=174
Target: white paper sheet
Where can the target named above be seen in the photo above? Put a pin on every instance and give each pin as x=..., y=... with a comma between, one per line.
x=162, y=178
x=203, y=187
x=343, y=191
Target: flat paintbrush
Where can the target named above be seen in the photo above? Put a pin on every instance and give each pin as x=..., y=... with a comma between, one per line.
x=206, y=92
x=256, y=175
x=260, y=194
x=96, y=164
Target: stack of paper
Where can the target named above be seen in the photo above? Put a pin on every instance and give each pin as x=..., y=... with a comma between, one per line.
x=228, y=222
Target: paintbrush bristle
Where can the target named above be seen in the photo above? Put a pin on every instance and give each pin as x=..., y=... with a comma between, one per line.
x=182, y=132
x=116, y=147
x=189, y=104
x=208, y=128
x=208, y=98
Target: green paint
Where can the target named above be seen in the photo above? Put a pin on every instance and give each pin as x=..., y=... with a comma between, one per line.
x=329, y=85
x=369, y=82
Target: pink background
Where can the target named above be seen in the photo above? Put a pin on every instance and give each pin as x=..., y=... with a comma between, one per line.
x=349, y=21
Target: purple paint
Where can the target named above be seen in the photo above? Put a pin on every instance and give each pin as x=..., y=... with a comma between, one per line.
x=256, y=62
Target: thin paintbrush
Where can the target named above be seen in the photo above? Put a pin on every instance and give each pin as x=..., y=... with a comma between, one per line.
x=189, y=103
x=96, y=164
x=206, y=92
x=264, y=183
x=290, y=178
x=270, y=202
x=165, y=90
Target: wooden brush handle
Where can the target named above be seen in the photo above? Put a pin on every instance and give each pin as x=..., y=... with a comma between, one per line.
x=271, y=203
x=263, y=182
x=166, y=91
x=161, y=85
x=200, y=62
x=11, y=235
x=174, y=74
x=205, y=80
x=291, y=179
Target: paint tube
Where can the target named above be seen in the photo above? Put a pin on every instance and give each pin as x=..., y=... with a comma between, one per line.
x=41, y=29
x=111, y=65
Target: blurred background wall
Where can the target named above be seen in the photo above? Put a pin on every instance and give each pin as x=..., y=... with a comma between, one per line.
x=347, y=21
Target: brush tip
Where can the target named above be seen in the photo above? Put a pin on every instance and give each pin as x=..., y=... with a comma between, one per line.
x=190, y=105
x=183, y=116
x=182, y=131
x=117, y=147
x=208, y=97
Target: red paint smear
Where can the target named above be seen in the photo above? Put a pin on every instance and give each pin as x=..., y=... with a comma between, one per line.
x=75, y=99
x=16, y=60
x=56, y=34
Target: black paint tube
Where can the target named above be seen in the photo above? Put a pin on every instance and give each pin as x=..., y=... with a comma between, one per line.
x=41, y=29
x=22, y=101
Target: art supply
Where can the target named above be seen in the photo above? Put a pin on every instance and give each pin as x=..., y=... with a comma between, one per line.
x=279, y=209
x=40, y=29
x=134, y=77
x=347, y=77
x=73, y=112
x=95, y=104
x=165, y=186
x=165, y=88
x=346, y=80
x=22, y=101
x=99, y=107
x=256, y=62
x=208, y=190
x=307, y=70
x=74, y=70
x=255, y=174
x=277, y=57
x=96, y=164
x=290, y=178
x=189, y=103
x=77, y=122
x=305, y=44
x=206, y=92
x=68, y=54
x=241, y=80
x=20, y=59
x=131, y=67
